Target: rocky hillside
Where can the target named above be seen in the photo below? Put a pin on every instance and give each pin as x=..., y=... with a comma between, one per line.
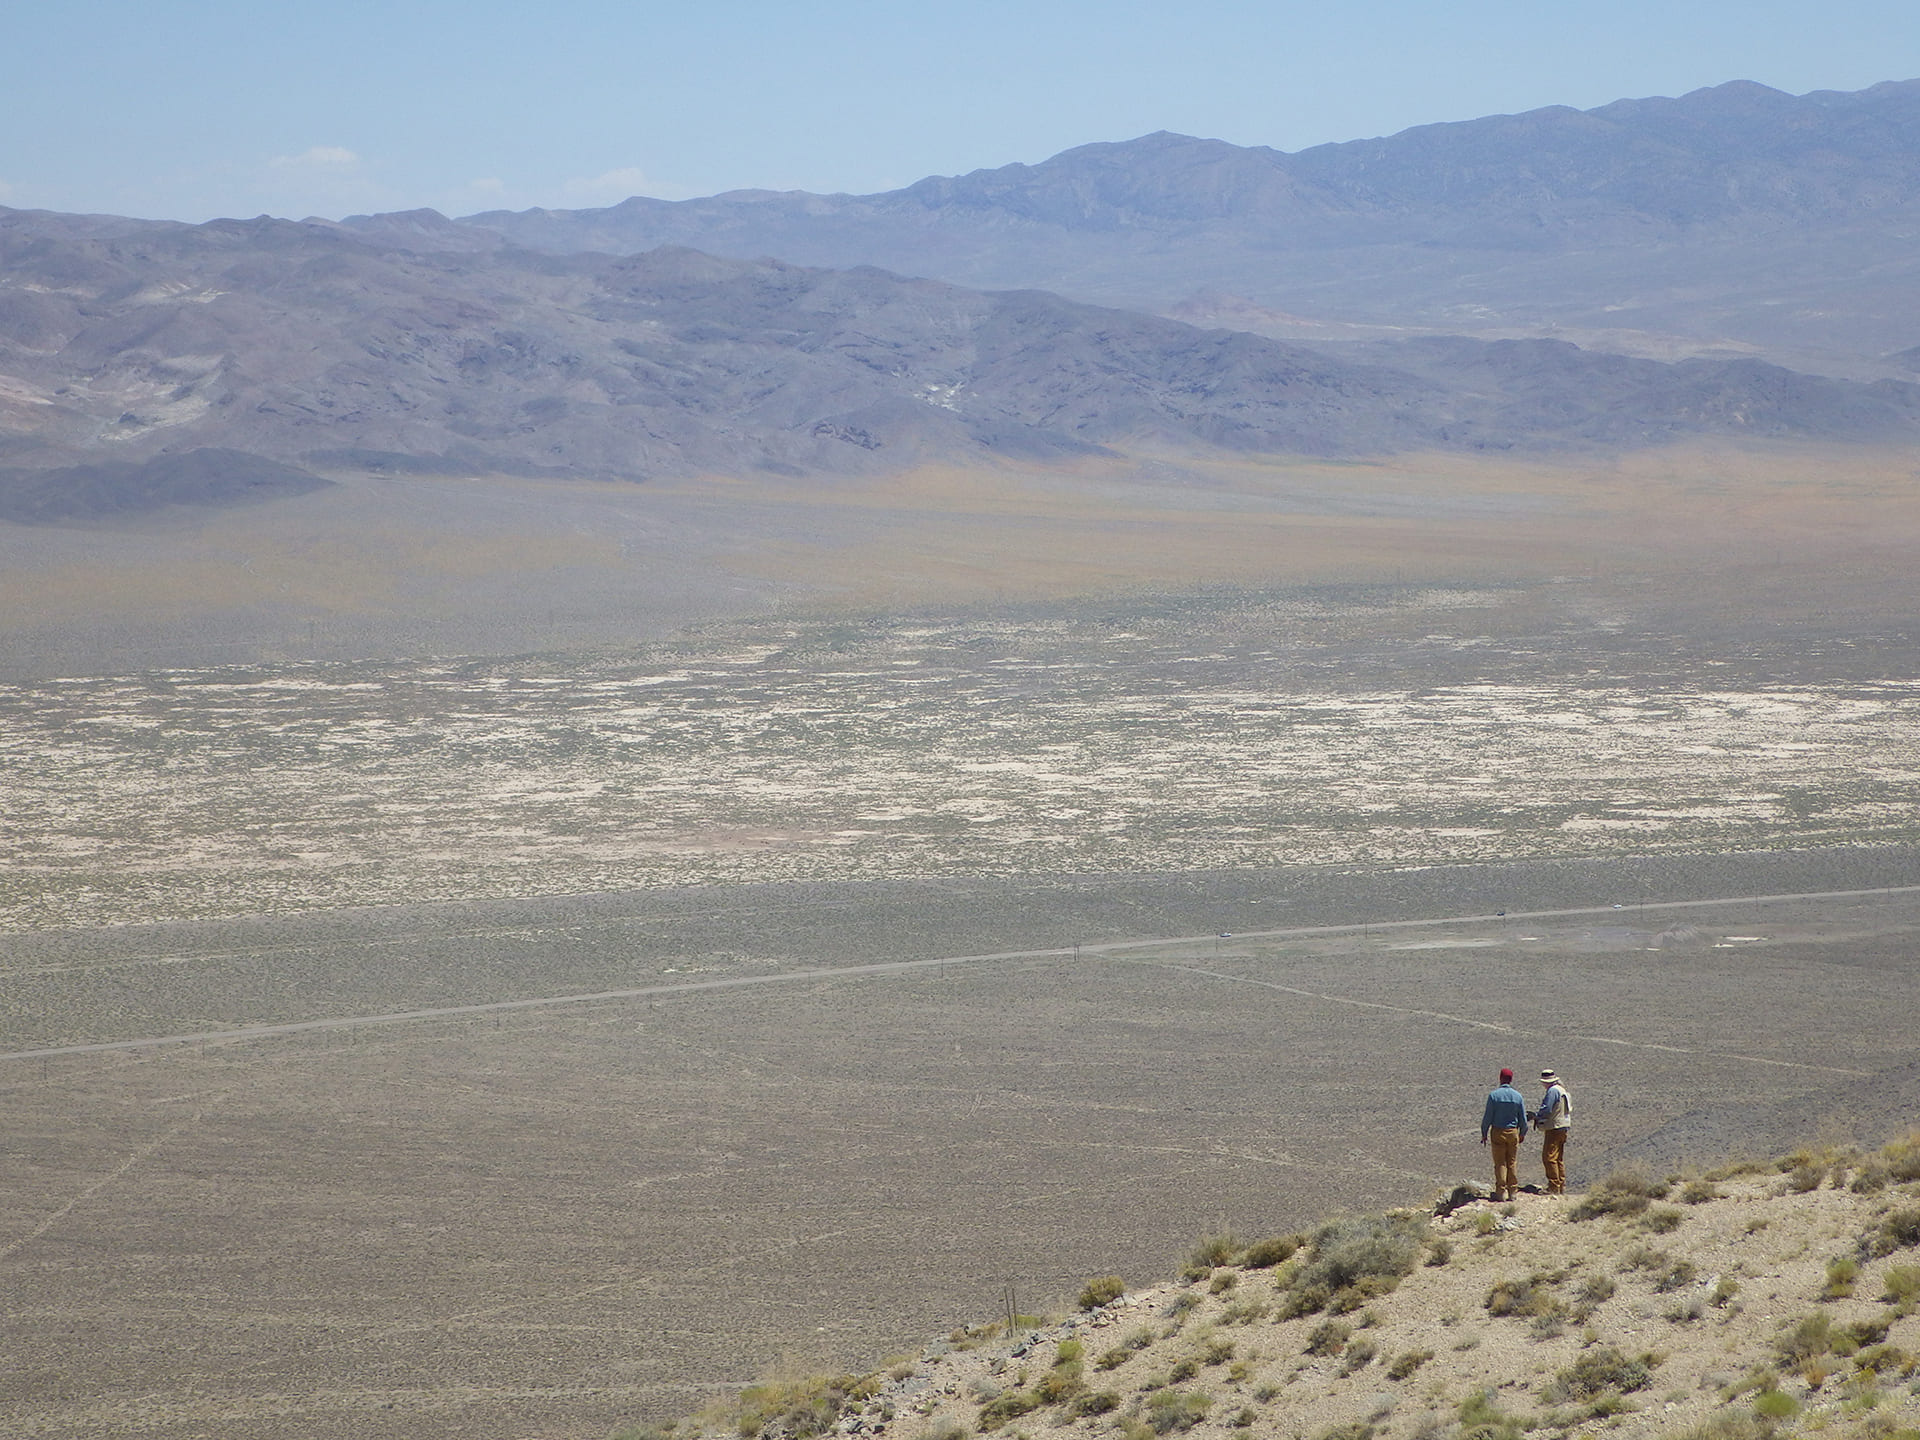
x=1749, y=1303
x=1739, y=156
x=124, y=345
x=1736, y=216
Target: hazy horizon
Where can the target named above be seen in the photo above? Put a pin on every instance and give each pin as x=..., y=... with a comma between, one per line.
x=207, y=109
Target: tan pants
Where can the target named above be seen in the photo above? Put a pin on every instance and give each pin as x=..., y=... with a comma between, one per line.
x=1506, y=1163
x=1553, y=1157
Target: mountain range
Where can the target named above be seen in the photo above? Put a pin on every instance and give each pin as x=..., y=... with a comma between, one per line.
x=803, y=334
x=1735, y=219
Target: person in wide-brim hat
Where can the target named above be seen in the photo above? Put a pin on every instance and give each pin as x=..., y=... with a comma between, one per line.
x=1553, y=1119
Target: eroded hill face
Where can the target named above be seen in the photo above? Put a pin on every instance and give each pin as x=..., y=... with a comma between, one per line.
x=1780, y=1300
x=1733, y=220
x=308, y=348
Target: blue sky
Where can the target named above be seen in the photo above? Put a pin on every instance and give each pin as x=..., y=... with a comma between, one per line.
x=187, y=109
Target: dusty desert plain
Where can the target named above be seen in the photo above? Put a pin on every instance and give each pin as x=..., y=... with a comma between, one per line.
x=535, y=961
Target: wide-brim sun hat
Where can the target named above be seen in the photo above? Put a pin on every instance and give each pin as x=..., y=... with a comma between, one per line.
x=1547, y=1077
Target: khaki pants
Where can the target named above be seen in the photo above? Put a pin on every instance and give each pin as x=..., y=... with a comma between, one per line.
x=1506, y=1163
x=1553, y=1158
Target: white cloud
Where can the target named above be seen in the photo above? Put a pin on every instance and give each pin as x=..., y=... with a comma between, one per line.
x=612, y=185
x=487, y=185
x=330, y=158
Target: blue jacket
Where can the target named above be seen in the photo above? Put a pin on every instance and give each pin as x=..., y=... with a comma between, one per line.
x=1506, y=1110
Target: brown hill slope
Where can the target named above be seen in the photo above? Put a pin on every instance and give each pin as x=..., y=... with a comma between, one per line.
x=1735, y=217
x=308, y=347
x=1766, y=1300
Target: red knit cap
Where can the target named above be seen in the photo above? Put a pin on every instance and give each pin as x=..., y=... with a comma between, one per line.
x=1506, y=1077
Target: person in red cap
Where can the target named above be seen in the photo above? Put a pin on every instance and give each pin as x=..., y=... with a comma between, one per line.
x=1503, y=1125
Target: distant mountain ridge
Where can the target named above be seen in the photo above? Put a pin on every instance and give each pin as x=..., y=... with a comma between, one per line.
x=305, y=345
x=1146, y=294
x=1732, y=218
x=1673, y=164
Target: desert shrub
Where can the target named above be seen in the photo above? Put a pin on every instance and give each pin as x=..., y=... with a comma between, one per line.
x=1595, y=1289
x=1841, y=1274
x=1267, y=1393
x=1123, y=1352
x=1010, y=1405
x=1352, y=1430
x=663, y=1431
x=1224, y=1281
x=1212, y=1251
x=1481, y=1418
x=1360, y=1258
x=1304, y=1300
x=1329, y=1337
x=1093, y=1402
x=1102, y=1290
x=1349, y=1298
x=1184, y=1369
x=1217, y=1352
x=1439, y=1252
x=1629, y=1192
x=1066, y=1378
x=1761, y=1377
x=1663, y=1219
x=1405, y=1364
x=1902, y=1157
x=1775, y=1405
x=1359, y=1355
x=1803, y=1178
x=1532, y=1296
x=1171, y=1411
x=1806, y=1158
x=800, y=1408
x=1265, y=1254
x=1902, y=1284
x=1724, y=1291
x=1245, y=1312
x=1688, y=1310
x=1598, y=1371
x=1884, y=1359
x=1870, y=1331
x=1667, y=1272
x=1898, y=1231
x=1698, y=1192
x=1871, y=1178
x=1811, y=1337
x=1730, y=1425
x=1604, y=1407
x=1244, y=1420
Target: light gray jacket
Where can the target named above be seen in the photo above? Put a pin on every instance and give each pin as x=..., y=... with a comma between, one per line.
x=1556, y=1110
